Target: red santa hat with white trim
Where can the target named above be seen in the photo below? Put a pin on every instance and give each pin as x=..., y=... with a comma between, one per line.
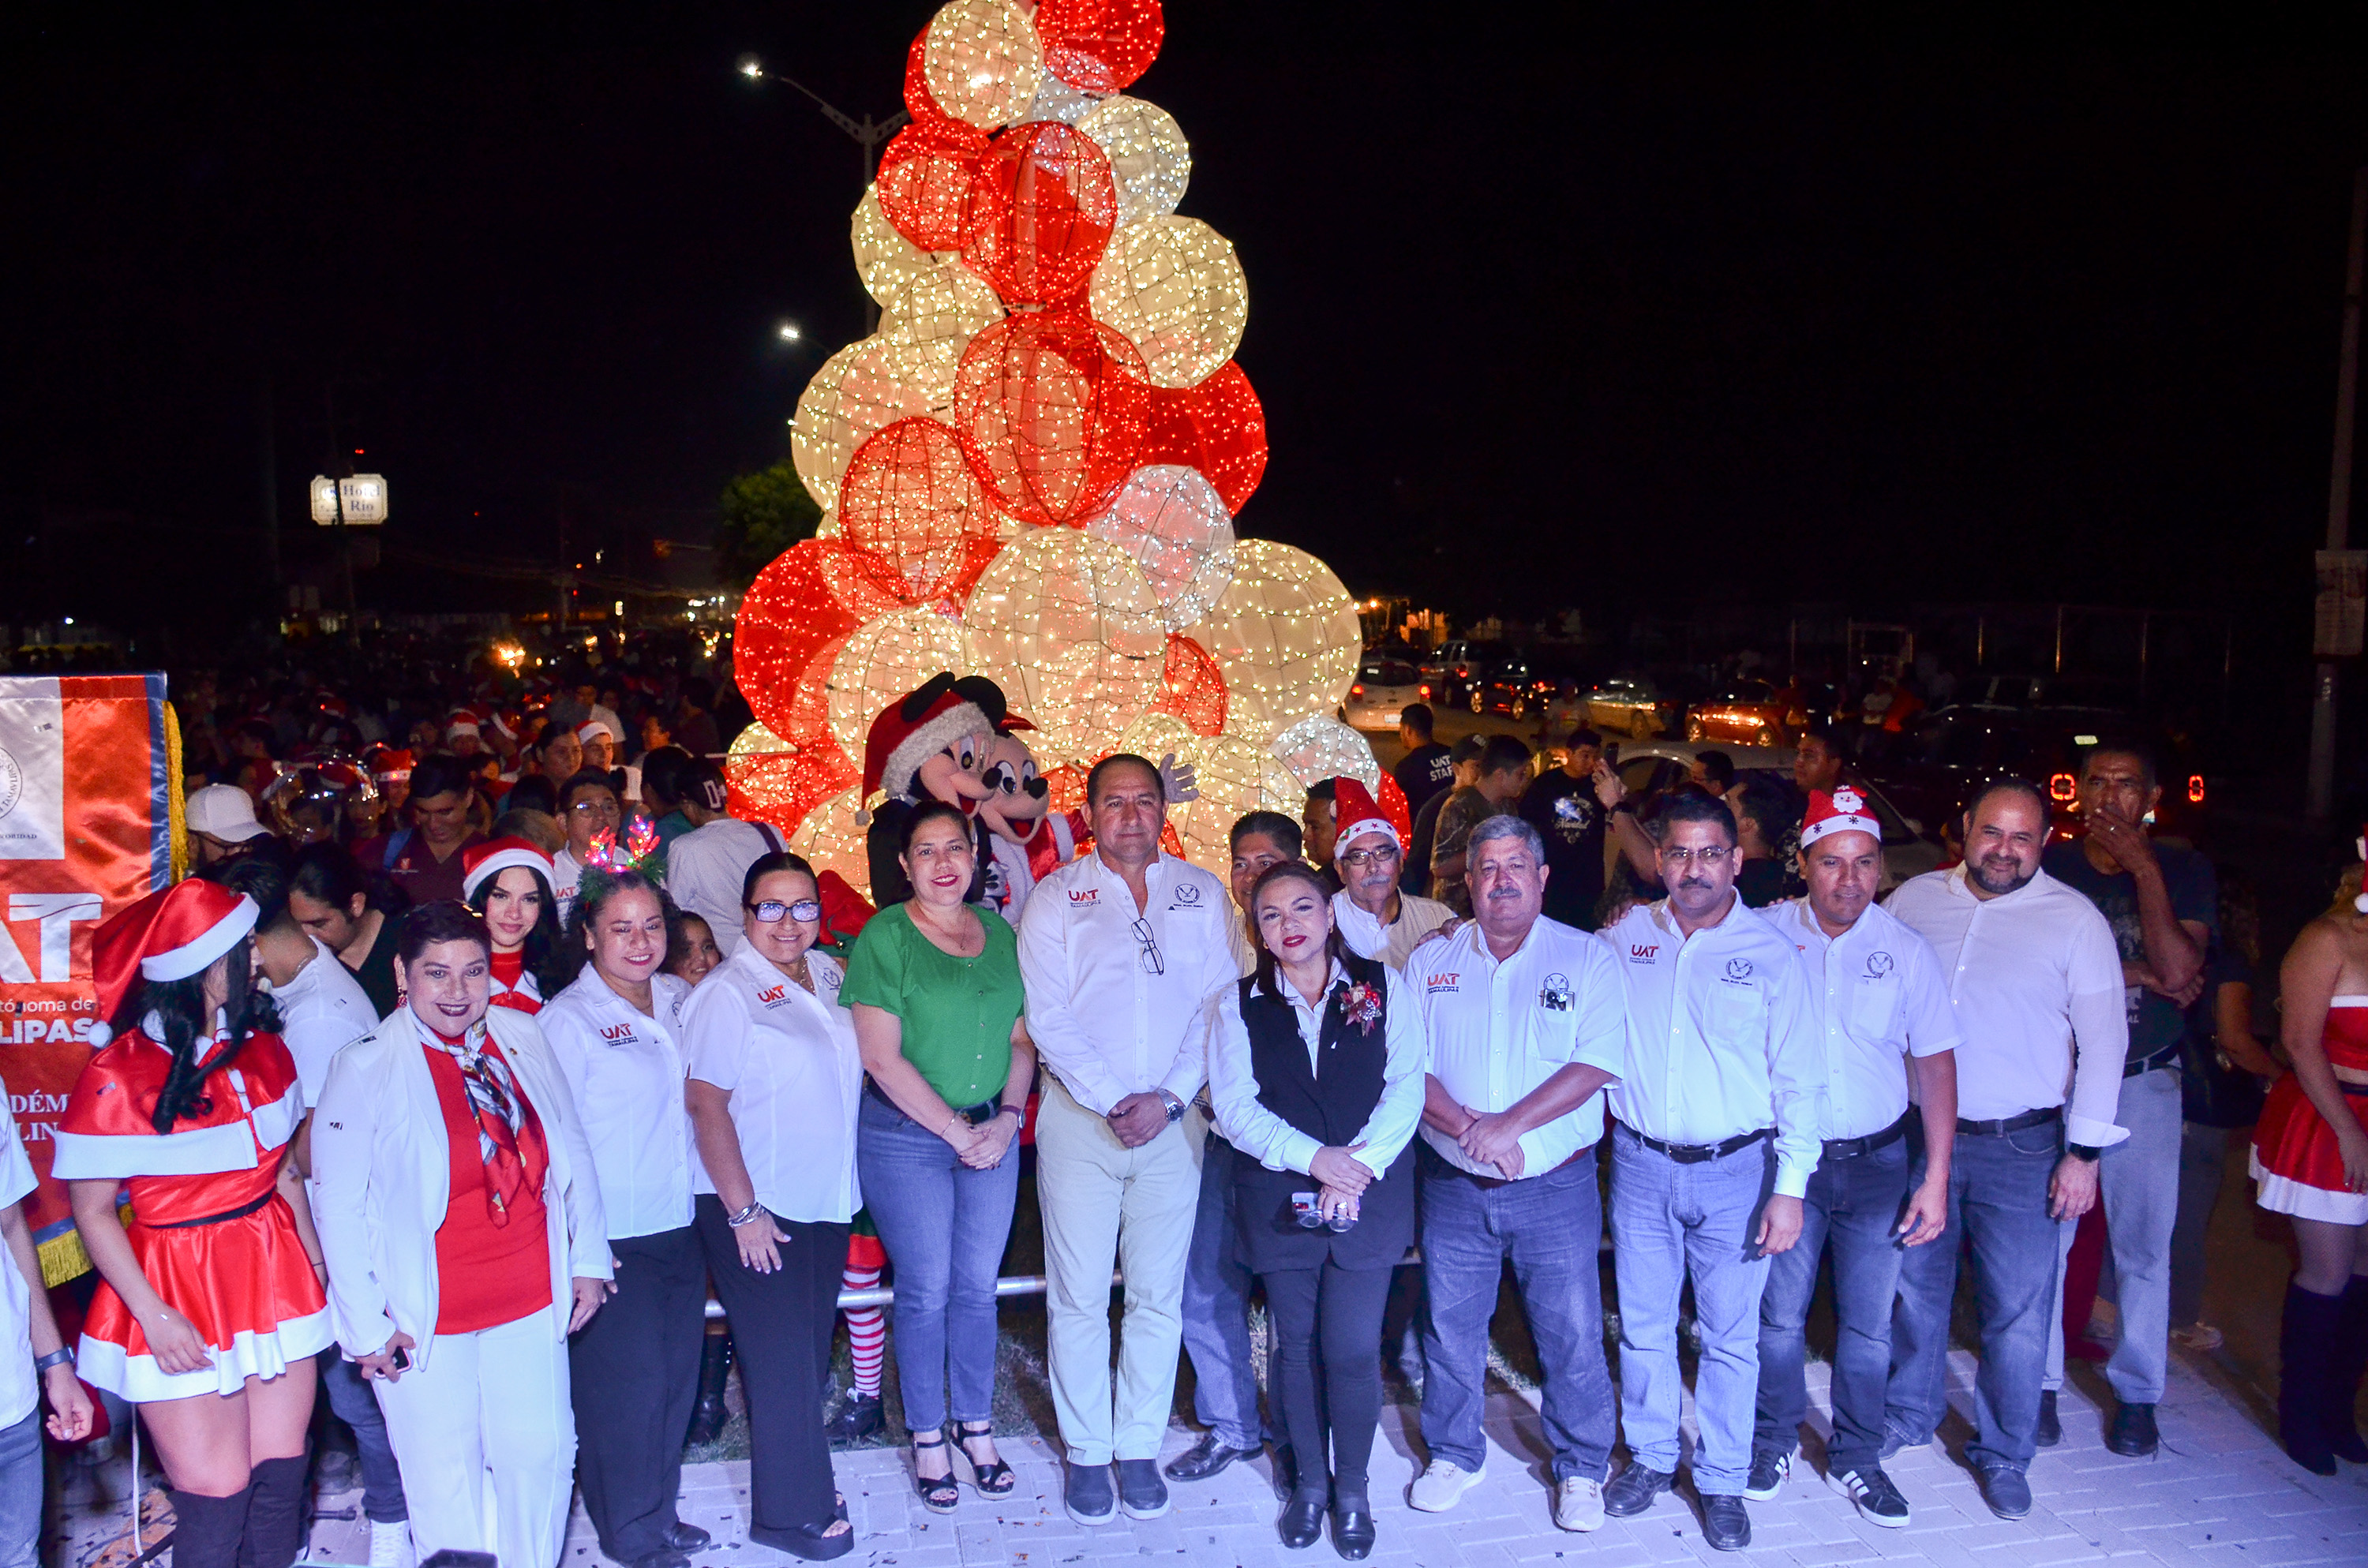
x=924, y=723
x=170, y=935
x=483, y=862
x=1844, y=810
x=463, y=722
x=1356, y=814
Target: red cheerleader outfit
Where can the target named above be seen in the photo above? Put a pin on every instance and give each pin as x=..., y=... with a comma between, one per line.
x=208, y=1227
x=513, y=986
x=2296, y=1160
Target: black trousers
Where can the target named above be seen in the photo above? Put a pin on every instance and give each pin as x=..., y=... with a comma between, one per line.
x=635, y=1376
x=1327, y=1323
x=781, y=1326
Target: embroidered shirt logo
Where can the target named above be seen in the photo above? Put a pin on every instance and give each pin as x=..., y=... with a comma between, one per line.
x=1085, y=895
x=1554, y=994
x=1641, y=952
x=1877, y=965
x=1738, y=969
x=617, y=1034
x=773, y=996
x=1439, y=983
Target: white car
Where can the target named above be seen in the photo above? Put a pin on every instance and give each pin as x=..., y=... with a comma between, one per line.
x=1381, y=690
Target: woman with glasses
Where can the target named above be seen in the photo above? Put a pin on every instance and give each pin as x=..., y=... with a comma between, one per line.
x=934, y=985
x=588, y=805
x=1315, y=1065
x=774, y=1077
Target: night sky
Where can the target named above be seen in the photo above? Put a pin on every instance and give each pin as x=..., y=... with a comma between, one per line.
x=1641, y=304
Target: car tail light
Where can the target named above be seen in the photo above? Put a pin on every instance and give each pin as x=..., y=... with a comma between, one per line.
x=2062, y=786
x=1358, y=689
x=1425, y=689
x=2196, y=788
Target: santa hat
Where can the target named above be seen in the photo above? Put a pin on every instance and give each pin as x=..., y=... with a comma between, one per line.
x=388, y=763
x=170, y=935
x=504, y=724
x=591, y=728
x=1356, y=815
x=482, y=863
x=1844, y=810
x=463, y=722
x=924, y=724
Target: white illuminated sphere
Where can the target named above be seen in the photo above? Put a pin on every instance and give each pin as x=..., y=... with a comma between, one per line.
x=885, y=260
x=943, y=307
x=1285, y=636
x=1065, y=624
x=1171, y=518
x=983, y=62
x=1320, y=747
x=1149, y=158
x=865, y=387
x=831, y=839
x=880, y=662
x=1055, y=99
x=1174, y=287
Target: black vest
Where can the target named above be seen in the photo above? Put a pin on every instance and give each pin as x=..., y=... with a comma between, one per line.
x=1330, y=1104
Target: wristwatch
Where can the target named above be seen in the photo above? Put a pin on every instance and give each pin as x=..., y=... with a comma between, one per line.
x=2086, y=1153
x=1174, y=1106
x=62, y=1357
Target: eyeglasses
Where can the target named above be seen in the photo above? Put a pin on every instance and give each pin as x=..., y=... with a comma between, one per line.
x=1677, y=854
x=1373, y=857
x=771, y=910
x=594, y=808
x=1152, y=962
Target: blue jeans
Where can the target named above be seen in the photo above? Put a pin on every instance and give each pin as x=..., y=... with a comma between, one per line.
x=1216, y=1309
x=1551, y=1226
x=1669, y=1221
x=944, y=1227
x=21, y=1491
x=2137, y=1181
x=1854, y=1204
x=1997, y=1202
x=355, y=1404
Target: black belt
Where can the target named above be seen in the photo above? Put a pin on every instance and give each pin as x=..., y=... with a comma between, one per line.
x=977, y=1115
x=241, y=1212
x=2007, y=1124
x=1853, y=1148
x=2167, y=1057
x=1697, y=1154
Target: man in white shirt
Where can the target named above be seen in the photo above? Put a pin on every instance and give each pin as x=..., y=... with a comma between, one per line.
x=706, y=866
x=1883, y=1019
x=1375, y=919
x=1523, y=1015
x=1120, y=950
x=1719, y=1104
x=2036, y=981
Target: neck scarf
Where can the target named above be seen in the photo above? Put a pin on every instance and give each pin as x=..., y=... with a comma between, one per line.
x=500, y=1109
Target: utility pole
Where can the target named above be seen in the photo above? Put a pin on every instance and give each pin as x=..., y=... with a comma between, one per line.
x=2338, y=499
x=869, y=134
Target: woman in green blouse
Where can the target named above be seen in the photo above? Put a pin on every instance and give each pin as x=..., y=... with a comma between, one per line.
x=934, y=985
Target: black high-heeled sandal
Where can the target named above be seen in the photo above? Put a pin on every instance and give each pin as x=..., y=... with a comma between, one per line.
x=940, y=1493
x=993, y=1479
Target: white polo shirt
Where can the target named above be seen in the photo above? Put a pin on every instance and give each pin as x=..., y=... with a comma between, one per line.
x=322, y=1011
x=1103, y=1023
x=789, y=1057
x=19, y=1389
x=1257, y=1132
x=2036, y=979
x=624, y=1068
x=1876, y=996
x=1720, y=1041
x=1498, y=1029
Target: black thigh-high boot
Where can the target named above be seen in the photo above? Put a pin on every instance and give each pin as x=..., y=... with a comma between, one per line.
x=2306, y=1367
x=206, y=1530
x=275, y=1515
x=708, y=1415
x=2349, y=1359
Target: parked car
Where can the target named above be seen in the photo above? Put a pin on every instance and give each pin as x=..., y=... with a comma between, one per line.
x=1451, y=668
x=1752, y=711
x=1634, y=705
x=1514, y=688
x=1936, y=765
x=1379, y=693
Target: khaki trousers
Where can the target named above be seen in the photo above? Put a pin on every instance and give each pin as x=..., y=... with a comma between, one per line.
x=1105, y=1204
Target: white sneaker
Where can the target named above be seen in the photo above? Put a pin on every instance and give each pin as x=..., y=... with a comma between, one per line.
x=1437, y=1489
x=391, y=1545
x=1578, y=1503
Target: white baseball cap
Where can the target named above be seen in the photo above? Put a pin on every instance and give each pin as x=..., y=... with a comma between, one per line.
x=224, y=811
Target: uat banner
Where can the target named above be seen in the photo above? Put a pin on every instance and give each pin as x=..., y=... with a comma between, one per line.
x=89, y=797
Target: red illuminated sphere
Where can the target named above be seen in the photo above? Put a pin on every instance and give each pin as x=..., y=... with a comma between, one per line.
x=1217, y=427
x=1050, y=408
x=925, y=176
x=1038, y=213
x=1099, y=46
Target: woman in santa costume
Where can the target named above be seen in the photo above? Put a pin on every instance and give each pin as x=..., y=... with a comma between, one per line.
x=2310, y=1158
x=211, y=1305
x=508, y=880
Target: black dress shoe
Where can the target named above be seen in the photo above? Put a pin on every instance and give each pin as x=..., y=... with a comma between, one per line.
x=2133, y=1433
x=1302, y=1524
x=687, y=1538
x=1352, y=1529
x=2051, y=1430
x=1726, y=1523
x=1286, y=1472
x=858, y=1418
x=1204, y=1459
x=1632, y=1489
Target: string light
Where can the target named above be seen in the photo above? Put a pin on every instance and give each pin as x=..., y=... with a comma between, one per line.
x=1195, y=688
x=1099, y=45
x=767, y=780
x=945, y=304
x=1319, y=746
x=1055, y=99
x=1175, y=287
x=1038, y=212
x=1149, y=159
x=1050, y=407
x=1169, y=519
x=887, y=657
x=860, y=390
x=981, y=62
x=925, y=172
x=909, y=499
x=885, y=260
x=1067, y=626
x=1217, y=427
x=831, y=839
x=1286, y=636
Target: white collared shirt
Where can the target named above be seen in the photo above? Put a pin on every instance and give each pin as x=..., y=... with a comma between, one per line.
x=789, y=1059
x=624, y=1069
x=1394, y=943
x=567, y=877
x=1720, y=1041
x=2037, y=983
x=19, y=1388
x=322, y=1011
x=1254, y=1130
x=1876, y=996
x=1497, y=1030
x=1102, y=1022
x=705, y=870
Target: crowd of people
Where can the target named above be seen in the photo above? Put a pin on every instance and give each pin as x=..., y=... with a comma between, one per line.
x=464, y=1105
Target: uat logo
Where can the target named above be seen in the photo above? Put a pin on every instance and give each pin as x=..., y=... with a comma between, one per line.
x=617, y=1034
x=1450, y=981
x=1641, y=952
x=1085, y=895
x=771, y=995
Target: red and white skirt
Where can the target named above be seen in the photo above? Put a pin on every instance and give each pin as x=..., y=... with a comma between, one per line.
x=244, y=1284
x=2298, y=1164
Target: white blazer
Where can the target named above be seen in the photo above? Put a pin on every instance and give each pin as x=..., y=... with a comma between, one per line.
x=383, y=1168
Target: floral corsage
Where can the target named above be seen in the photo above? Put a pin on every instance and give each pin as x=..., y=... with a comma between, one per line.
x=1361, y=1004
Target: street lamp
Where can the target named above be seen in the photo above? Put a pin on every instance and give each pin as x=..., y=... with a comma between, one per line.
x=790, y=333
x=868, y=133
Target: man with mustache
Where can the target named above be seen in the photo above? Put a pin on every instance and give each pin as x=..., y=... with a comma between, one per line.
x=2036, y=981
x=1720, y=1104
